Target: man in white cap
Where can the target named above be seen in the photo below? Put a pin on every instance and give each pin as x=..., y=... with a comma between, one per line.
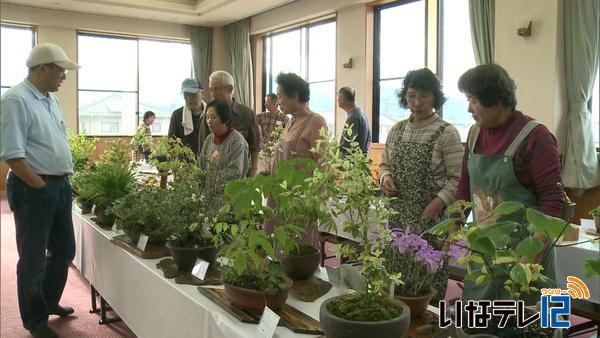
x=185, y=121
x=35, y=147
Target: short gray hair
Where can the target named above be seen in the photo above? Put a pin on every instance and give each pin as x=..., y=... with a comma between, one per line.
x=222, y=77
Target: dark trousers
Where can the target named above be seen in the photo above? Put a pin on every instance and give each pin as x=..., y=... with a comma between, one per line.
x=45, y=243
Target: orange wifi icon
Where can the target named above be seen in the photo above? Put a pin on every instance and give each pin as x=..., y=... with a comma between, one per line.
x=577, y=288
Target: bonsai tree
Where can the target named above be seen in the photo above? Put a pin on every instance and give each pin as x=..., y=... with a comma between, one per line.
x=82, y=148
x=171, y=155
x=502, y=258
x=356, y=196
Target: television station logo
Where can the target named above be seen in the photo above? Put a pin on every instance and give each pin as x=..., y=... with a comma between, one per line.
x=554, y=303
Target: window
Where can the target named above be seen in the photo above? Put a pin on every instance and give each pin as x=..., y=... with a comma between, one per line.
x=156, y=128
x=456, y=31
x=308, y=51
x=144, y=75
x=16, y=43
x=109, y=127
x=394, y=57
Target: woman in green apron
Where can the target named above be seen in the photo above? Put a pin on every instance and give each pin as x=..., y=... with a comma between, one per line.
x=421, y=163
x=510, y=156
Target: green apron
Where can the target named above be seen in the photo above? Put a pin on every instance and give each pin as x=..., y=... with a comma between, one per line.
x=411, y=170
x=493, y=181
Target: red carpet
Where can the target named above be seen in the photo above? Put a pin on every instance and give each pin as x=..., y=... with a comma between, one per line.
x=76, y=294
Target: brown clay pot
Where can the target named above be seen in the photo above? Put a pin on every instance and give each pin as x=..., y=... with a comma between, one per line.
x=104, y=221
x=254, y=299
x=301, y=266
x=418, y=305
x=336, y=327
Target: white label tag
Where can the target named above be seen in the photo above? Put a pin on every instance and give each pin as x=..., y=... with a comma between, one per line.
x=268, y=322
x=200, y=269
x=141, y=244
x=392, y=290
x=114, y=228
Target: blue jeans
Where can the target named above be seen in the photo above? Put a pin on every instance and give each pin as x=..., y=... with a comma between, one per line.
x=45, y=243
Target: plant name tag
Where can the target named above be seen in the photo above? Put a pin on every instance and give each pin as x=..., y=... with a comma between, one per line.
x=114, y=227
x=268, y=322
x=200, y=268
x=392, y=290
x=142, y=242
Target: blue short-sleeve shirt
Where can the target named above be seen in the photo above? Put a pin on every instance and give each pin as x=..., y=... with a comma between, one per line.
x=32, y=127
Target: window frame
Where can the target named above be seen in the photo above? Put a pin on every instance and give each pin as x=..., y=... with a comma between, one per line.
x=136, y=38
x=34, y=34
x=376, y=58
x=268, y=55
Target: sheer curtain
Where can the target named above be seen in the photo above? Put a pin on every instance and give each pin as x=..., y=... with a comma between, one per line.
x=582, y=40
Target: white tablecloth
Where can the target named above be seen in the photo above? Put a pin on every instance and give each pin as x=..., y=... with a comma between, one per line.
x=569, y=262
x=153, y=306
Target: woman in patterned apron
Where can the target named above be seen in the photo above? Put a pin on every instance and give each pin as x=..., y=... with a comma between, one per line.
x=421, y=164
x=302, y=131
x=510, y=157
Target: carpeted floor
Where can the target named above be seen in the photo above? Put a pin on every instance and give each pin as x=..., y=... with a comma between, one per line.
x=76, y=294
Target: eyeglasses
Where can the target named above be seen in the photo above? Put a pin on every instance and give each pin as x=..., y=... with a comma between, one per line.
x=215, y=88
x=58, y=68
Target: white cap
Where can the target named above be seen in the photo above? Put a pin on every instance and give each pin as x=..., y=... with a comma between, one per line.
x=45, y=53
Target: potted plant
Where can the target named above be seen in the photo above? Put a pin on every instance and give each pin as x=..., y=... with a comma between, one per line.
x=84, y=202
x=368, y=312
x=498, y=259
x=418, y=261
x=301, y=200
x=170, y=155
x=82, y=148
x=596, y=215
x=138, y=212
x=251, y=274
x=104, y=185
x=142, y=143
x=189, y=215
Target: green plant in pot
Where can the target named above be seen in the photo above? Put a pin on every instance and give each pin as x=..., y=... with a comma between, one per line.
x=170, y=155
x=82, y=148
x=300, y=199
x=189, y=215
x=251, y=273
x=502, y=260
x=84, y=201
x=596, y=215
x=368, y=312
x=139, y=212
x=106, y=184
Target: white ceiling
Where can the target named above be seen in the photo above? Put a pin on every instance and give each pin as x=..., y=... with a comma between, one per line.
x=193, y=12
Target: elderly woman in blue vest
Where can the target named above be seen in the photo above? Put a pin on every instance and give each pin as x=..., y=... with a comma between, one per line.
x=225, y=148
x=421, y=163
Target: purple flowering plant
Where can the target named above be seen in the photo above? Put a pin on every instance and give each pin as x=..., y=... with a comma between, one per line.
x=418, y=261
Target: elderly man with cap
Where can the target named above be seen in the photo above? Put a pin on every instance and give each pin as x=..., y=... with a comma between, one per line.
x=355, y=120
x=185, y=121
x=35, y=147
x=243, y=119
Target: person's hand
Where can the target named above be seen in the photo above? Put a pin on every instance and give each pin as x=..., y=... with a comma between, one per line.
x=434, y=209
x=388, y=186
